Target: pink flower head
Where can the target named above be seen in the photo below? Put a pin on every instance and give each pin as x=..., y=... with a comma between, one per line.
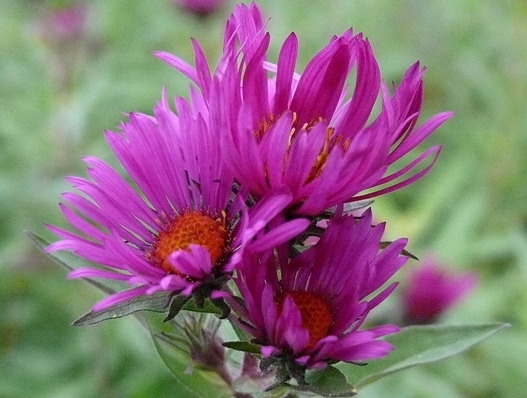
x=185, y=228
x=312, y=312
x=309, y=131
x=432, y=289
x=63, y=24
x=200, y=7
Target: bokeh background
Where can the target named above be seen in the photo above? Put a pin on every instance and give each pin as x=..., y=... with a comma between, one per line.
x=62, y=84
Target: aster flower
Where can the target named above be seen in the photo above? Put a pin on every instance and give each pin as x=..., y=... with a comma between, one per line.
x=185, y=229
x=304, y=131
x=63, y=24
x=200, y=7
x=432, y=289
x=308, y=310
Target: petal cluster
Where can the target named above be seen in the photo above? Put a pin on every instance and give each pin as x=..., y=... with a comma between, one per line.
x=310, y=131
x=235, y=182
x=176, y=167
x=344, y=273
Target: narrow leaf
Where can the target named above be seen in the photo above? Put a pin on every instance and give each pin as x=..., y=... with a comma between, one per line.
x=69, y=261
x=418, y=345
x=245, y=346
x=155, y=303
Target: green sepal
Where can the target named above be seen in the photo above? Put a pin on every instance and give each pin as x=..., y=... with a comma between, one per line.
x=404, y=252
x=188, y=303
x=245, y=346
x=207, y=307
x=176, y=304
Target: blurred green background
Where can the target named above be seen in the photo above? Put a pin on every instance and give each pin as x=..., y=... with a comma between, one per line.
x=58, y=94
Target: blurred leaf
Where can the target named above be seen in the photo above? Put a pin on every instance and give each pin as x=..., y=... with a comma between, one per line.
x=329, y=382
x=419, y=345
x=155, y=303
x=69, y=261
x=245, y=346
x=195, y=384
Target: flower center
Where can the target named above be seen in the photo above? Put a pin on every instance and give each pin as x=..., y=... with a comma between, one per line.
x=315, y=311
x=189, y=228
x=330, y=141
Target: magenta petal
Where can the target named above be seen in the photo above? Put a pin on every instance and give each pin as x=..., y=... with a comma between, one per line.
x=119, y=298
x=284, y=74
x=178, y=64
x=97, y=273
x=278, y=235
x=268, y=351
x=367, y=85
x=194, y=262
x=320, y=85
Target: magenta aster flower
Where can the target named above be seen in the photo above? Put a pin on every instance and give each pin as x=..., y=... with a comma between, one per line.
x=200, y=7
x=305, y=131
x=312, y=312
x=185, y=228
x=431, y=290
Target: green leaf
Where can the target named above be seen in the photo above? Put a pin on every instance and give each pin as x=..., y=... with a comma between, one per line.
x=419, y=345
x=69, y=261
x=329, y=382
x=195, y=384
x=245, y=346
x=155, y=303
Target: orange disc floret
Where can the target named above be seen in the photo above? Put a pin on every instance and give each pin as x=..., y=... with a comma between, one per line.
x=315, y=311
x=189, y=228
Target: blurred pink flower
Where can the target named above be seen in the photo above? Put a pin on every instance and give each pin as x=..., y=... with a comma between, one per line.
x=200, y=7
x=59, y=25
x=432, y=289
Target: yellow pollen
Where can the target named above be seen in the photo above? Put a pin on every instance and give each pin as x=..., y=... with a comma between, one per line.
x=189, y=228
x=316, y=313
x=264, y=125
